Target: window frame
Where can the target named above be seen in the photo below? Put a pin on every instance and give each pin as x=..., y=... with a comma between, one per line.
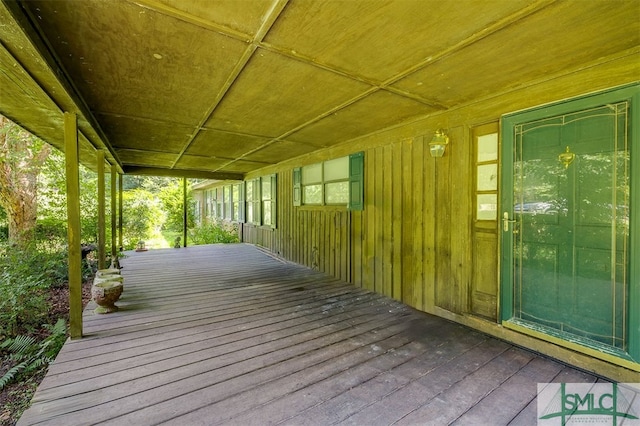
x=252, y=199
x=268, y=198
x=354, y=180
x=322, y=183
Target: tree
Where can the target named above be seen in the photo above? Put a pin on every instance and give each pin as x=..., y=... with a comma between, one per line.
x=144, y=217
x=22, y=155
x=171, y=197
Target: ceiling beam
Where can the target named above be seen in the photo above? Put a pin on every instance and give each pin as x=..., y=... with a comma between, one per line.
x=198, y=174
x=164, y=9
x=276, y=8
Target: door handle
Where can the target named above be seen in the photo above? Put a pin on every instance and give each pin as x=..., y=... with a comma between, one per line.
x=506, y=221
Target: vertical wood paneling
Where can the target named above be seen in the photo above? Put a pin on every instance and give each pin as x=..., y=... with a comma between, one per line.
x=379, y=232
x=417, y=178
x=356, y=247
x=484, y=300
x=396, y=218
x=444, y=285
x=408, y=230
x=410, y=242
x=387, y=220
x=429, y=226
x=460, y=220
x=369, y=225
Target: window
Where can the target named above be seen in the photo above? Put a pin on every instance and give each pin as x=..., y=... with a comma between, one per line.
x=269, y=200
x=227, y=202
x=219, y=203
x=253, y=201
x=211, y=203
x=207, y=202
x=312, y=184
x=236, y=202
x=333, y=182
x=261, y=201
x=487, y=176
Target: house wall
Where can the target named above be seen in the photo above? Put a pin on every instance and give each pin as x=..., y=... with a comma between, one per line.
x=416, y=240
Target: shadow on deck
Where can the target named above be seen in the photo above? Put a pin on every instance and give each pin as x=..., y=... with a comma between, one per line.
x=226, y=334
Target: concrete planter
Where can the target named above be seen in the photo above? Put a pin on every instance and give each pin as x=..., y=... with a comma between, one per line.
x=105, y=292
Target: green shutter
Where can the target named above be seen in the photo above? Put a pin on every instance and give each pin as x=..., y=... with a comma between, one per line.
x=356, y=181
x=297, y=186
x=274, y=185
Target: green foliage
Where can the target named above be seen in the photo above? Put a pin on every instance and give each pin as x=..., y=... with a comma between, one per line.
x=214, y=232
x=52, y=201
x=143, y=217
x=171, y=197
x=153, y=184
x=52, y=265
x=22, y=293
x=31, y=355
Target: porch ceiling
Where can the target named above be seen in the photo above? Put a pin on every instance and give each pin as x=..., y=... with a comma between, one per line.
x=219, y=89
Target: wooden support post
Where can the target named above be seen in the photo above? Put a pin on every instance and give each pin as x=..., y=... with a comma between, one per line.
x=73, y=221
x=101, y=210
x=184, y=212
x=120, y=243
x=114, y=251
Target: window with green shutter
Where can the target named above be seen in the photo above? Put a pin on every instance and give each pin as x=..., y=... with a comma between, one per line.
x=336, y=182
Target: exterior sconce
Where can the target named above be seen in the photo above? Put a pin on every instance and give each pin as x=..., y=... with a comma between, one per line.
x=438, y=143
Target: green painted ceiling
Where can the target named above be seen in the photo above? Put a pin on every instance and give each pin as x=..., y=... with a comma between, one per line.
x=220, y=88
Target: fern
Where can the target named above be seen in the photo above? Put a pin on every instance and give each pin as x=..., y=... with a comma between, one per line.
x=11, y=374
x=32, y=355
x=20, y=346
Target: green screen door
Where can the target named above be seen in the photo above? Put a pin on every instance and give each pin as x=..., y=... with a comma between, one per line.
x=566, y=225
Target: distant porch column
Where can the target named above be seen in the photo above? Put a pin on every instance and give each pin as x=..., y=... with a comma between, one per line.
x=184, y=212
x=114, y=251
x=73, y=220
x=101, y=210
x=120, y=243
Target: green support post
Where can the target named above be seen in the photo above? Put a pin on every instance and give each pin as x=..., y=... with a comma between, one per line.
x=101, y=210
x=184, y=212
x=114, y=251
x=73, y=220
x=120, y=243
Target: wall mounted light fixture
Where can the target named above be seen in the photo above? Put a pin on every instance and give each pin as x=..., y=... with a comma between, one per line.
x=438, y=143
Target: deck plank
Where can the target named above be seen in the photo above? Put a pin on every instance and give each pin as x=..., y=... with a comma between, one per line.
x=227, y=334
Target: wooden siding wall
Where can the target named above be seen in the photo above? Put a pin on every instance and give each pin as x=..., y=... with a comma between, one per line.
x=416, y=240
x=412, y=240
x=314, y=237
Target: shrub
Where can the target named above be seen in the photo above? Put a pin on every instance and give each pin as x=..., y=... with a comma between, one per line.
x=214, y=232
x=22, y=294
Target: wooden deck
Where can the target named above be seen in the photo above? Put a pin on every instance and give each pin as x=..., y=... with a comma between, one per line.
x=226, y=334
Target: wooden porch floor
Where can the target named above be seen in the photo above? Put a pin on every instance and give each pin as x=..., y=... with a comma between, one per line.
x=226, y=334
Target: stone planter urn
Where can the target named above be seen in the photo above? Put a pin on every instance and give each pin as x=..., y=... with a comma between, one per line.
x=104, y=273
x=105, y=292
